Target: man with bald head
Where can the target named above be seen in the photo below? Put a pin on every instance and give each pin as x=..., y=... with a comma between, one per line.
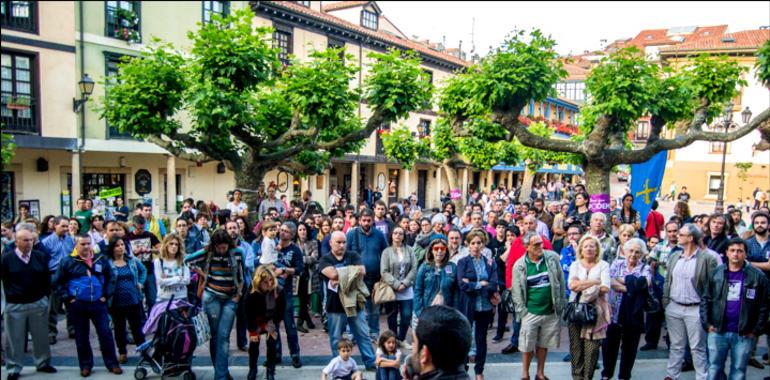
x=329, y=265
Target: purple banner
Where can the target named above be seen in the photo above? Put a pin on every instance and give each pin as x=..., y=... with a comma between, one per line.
x=599, y=203
x=455, y=194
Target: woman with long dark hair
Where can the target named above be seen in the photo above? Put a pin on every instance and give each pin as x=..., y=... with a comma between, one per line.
x=308, y=280
x=125, y=302
x=627, y=214
x=46, y=227
x=246, y=233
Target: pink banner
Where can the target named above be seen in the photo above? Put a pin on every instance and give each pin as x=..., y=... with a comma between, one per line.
x=455, y=194
x=599, y=203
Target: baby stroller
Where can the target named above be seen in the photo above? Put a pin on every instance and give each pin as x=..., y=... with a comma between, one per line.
x=170, y=352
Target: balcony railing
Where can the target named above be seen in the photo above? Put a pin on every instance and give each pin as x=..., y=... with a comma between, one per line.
x=19, y=115
x=19, y=15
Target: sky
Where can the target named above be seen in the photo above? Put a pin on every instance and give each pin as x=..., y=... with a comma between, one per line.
x=575, y=26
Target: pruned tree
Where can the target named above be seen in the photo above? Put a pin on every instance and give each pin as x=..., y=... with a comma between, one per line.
x=8, y=149
x=241, y=107
x=762, y=67
x=622, y=88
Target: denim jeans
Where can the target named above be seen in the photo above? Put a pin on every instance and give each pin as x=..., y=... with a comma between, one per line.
x=82, y=313
x=515, y=330
x=373, y=318
x=336, y=324
x=221, y=314
x=387, y=374
x=150, y=291
x=404, y=309
x=289, y=326
x=738, y=346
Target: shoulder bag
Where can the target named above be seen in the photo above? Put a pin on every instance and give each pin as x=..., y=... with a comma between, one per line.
x=580, y=313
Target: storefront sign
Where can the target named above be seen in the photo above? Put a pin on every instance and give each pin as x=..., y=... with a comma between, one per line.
x=455, y=194
x=599, y=203
x=108, y=193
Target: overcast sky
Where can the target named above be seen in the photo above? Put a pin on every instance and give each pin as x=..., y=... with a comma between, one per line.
x=576, y=26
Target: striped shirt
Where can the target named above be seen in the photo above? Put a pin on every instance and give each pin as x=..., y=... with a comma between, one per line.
x=225, y=272
x=682, y=280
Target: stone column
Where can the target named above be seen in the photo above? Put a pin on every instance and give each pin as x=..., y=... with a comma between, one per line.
x=464, y=189
x=76, y=190
x=490, y=179
x=170, y=185
x=510, y=180
x=438, y=186
x=355, y=170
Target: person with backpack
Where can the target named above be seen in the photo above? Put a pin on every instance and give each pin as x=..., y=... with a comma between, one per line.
x=220, y=267
x=125, y=302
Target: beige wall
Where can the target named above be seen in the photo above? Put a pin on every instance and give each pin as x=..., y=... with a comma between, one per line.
x=695, y=177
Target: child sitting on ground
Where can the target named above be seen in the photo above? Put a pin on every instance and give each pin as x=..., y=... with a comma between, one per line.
x=342, y=367
x=388, y=359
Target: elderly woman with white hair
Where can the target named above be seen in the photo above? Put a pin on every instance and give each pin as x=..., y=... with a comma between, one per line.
x=631, y=282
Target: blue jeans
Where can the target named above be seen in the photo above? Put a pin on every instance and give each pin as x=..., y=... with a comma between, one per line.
x=515, y=330
x=396, y=308
x=336, y=324
x=150, y=291
x=289, y=326
x=387, y=374
x=83, y=312
x=221, y=313
x=738, y=346
x=373, y=318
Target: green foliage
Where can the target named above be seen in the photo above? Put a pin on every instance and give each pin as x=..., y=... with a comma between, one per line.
x=536, y=158
x=717, y=79
x=399, y=144
x=763, y=64
x=397, y=84
x=444, y=142
x=518, y=71
x=8, y=149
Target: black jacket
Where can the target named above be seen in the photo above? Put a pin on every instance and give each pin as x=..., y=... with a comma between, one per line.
x=755, y=301
x=438, y=374
x=259, y=313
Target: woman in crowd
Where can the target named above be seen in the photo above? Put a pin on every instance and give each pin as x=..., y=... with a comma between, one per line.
x=627, y=214
x=426, y=229
x=682, y=210
x=630, y=282
x=451, y=215
x=398, y=268
x=125, y=304
x=309, y=282
x=171, y=275
x=246, y=232
x=97, y=230
x=581, y=213
x=220, y=266
x=264, y=311
x=46, y=227
x=589, y=279
x=74, y=227
x=477, y=278
x=414, y=230
x=324, y=235
x=436, y=282
x=625, y=233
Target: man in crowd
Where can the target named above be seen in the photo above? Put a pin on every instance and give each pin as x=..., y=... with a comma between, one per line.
x=734, y=310
x=248, y=270
x=542, y=214
x=84, y=278
x=111, y=229
x=369, y=243
x=539, y=293
x=83, y=215
x=290, y=257
x=153, y=224
x=655, y=222
x=59, y=245
x=759, y=256
x=26, y=280
x=381, y=222
x=683, y=196
x=143, y=244
x=339, y=258
x=598, y=230
x=658, y=266
x=689, y=272
x=442, y=340
x=237, y=207
x=271, y=202
x=192, y=242
x=201, y=228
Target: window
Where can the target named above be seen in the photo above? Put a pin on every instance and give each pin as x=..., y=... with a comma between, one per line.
x=282, y=39
x=369, y=20
x=304, y=3
x=93, y=183
x=717, y=147
x=429, y=74
x=123, y=20
x=714, y=182
x=423, y=129
x=642, y=131
x=111, y=70
x=334, y=43
x=210, y=8
x=18, y=98
x=19, y=15
x=379, y=148
x=571, y=90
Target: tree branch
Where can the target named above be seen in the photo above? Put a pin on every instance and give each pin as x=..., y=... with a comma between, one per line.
x=294, y=131
x=596, y=140
x=179, y=152
x=511, y=122
x=656, y=127
x=644, y=154
x=375, y=121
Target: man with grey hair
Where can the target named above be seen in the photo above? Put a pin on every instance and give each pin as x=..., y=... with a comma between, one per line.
x=689, y=272
x=26, y=283
x=597, y=230
x=539, y=295
x=59, y=245
x=291, y=257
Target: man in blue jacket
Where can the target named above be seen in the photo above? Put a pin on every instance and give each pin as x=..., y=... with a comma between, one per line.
x=369, y=243
x=83, y=279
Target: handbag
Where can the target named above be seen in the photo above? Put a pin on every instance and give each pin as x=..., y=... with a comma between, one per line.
x=508, y=305
x=580, y=313
x=202, y=328
x=382, y=293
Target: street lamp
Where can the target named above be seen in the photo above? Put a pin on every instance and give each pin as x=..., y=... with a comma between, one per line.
x=86, y=86
x=727, y=120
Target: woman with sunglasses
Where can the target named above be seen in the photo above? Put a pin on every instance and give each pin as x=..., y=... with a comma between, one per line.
x=398, y=268
x=479, y=293
x=436, y=282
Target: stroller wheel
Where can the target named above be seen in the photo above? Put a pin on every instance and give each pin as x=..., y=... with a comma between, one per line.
x=140, y=373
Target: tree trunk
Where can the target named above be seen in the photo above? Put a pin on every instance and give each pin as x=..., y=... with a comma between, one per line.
x=451, y=176
x=248, y=181
x=526, y=184
x=597, y=178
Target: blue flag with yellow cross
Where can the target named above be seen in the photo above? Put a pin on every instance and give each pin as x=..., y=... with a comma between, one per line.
x=646, y=179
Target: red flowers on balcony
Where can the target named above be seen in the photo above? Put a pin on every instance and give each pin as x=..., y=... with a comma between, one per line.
x=557, y=126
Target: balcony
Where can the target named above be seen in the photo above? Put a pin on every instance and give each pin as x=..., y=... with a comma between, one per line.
x=123, y=24
x=19, y=15
x=19, y=115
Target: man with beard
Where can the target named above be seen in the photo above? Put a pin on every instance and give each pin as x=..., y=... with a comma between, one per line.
x=609, y=245
x=759, y=256
x=442, y=340
x=248, y=269
x=382, y=223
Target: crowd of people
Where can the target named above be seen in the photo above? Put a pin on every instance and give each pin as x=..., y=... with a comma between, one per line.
x=548, y=263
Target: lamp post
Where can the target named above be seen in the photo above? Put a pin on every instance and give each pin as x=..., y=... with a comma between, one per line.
x=727, y=119
x=86, y=86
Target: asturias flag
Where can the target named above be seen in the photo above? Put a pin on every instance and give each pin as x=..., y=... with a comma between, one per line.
x=646, y=179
